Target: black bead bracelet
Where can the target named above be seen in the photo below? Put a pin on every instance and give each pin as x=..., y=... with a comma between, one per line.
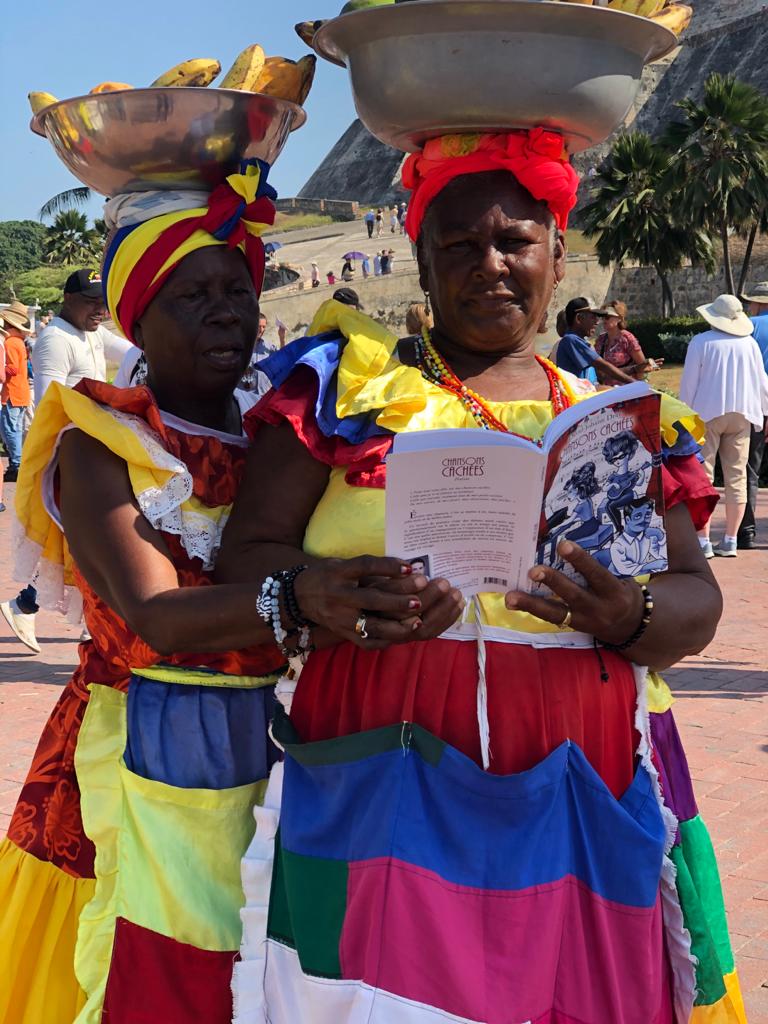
x=647, y=612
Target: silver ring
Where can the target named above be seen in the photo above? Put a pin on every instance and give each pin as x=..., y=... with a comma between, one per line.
x=567, y=620
x=360, y=629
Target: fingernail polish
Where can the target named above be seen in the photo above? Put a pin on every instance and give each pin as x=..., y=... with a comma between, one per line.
x=414, y=603
x=406, y=570
x=418, y=624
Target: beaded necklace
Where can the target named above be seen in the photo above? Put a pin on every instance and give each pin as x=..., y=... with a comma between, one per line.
x=435, y=369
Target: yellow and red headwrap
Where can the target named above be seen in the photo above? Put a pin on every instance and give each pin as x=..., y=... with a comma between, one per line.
x=536, y=158
x=140, y=256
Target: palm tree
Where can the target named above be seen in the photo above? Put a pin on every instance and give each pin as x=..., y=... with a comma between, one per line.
x=69, y=240
x=718, y=167
x=68, y=200
x=634, y=220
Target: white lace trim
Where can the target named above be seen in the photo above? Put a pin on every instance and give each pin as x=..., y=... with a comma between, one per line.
x=46, y=576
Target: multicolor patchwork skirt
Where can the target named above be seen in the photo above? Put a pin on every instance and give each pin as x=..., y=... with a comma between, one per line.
x=169, y=775
x=390, y=878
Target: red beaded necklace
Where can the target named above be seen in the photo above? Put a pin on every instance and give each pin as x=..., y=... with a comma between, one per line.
x=436, y=370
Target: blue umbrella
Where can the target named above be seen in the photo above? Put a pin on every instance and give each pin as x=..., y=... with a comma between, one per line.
x=273, y=246
x=354, y=256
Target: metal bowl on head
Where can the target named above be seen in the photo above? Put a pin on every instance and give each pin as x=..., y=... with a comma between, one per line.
x=169, y=138
x=439, y=67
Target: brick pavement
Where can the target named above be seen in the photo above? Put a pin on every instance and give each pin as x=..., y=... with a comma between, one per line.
x=722, y=713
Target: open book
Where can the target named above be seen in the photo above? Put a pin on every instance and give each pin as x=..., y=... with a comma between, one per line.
x=480, y=508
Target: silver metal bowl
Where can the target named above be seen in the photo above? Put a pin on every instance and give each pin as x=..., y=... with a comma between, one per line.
x=170, y=138
x=437, y=67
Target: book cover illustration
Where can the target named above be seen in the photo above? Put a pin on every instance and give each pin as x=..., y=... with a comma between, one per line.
x=604, y=491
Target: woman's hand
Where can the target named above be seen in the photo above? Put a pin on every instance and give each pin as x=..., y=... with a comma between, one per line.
x=609, y=608
x=396, y=604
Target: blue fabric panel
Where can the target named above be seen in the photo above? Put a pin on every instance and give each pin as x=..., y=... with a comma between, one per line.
x=476, y=829
x=199, y=737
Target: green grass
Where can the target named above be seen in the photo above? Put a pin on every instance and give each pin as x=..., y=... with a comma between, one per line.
x=667, y=378
x=296, y=221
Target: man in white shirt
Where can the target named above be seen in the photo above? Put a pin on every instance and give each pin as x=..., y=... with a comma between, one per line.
x=725, y=382
x=72, y=346
x=75, y=344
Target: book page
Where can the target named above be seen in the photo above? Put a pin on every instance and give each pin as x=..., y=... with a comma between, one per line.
x=603, y=490
x=467, y=513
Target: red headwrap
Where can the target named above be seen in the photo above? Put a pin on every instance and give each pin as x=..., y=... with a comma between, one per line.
x=536, y=158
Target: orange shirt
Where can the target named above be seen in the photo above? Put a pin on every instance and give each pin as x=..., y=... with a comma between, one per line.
x=16, y=388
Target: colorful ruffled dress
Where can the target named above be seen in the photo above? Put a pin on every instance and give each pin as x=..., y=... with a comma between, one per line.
x=391, y=878
x=120, y=875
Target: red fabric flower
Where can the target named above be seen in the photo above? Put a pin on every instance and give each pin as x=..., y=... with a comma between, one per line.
x=536, y=158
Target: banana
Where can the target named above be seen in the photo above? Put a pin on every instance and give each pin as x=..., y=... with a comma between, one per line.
x=200, y=72
x=644, y=8
x=40, y=100
x=245, y=72
x=287, y=79
x=110, y=87
x=305, y=30
x=675, y=17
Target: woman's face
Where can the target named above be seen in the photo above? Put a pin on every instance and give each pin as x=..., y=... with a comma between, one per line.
x=610, y=323
x=489, y=257
x=199, y=330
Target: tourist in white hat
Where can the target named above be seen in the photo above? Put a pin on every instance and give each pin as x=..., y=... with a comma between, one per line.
x=725, y=381
x=756, y=301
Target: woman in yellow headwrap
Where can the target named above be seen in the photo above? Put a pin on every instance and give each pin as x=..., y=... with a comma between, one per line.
x=120, y=876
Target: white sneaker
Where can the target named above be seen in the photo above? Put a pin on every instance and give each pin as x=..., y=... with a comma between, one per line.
x=22, y=624
x=726, y=549
x=709, y=551
x=85, y=636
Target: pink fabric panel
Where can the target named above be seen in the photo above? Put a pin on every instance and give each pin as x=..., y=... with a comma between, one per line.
x=551, y=954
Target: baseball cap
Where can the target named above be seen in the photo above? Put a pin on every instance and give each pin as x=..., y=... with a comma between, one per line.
x=582, y=304
x=85, y=282
x=348, y=296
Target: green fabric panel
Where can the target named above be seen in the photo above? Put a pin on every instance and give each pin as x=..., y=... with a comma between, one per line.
x=307, y=908
x=279, y=919
x=344, y=749
x=709, y=974
x=702, y=864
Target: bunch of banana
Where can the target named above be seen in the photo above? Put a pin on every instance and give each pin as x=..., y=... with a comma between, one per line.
x=40, y=100
x=244, y=73
x=110, y=87
x=287, y=79
x=305, y=30
x=674, y=16
x=200, y=71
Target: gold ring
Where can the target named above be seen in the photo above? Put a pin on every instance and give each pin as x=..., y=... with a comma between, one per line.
x=567, y=620
x=360, y=629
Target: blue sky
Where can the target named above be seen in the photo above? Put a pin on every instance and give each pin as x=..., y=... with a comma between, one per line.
x=66, y=48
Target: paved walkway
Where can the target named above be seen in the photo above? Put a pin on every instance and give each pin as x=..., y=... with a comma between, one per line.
x=722, y=712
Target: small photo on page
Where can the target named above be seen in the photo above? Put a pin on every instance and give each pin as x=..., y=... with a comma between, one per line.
x=420, y=565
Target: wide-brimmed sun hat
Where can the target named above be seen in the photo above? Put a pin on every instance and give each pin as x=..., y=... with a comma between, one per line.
x=727, y=314
x=16, y=316
x=757, y=293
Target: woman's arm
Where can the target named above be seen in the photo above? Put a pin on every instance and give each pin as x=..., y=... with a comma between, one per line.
x=128, y=565
x=281, y=487
x=687, y=599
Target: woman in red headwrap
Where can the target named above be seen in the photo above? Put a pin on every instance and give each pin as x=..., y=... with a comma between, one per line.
x=496, y=825
x=119, y=879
